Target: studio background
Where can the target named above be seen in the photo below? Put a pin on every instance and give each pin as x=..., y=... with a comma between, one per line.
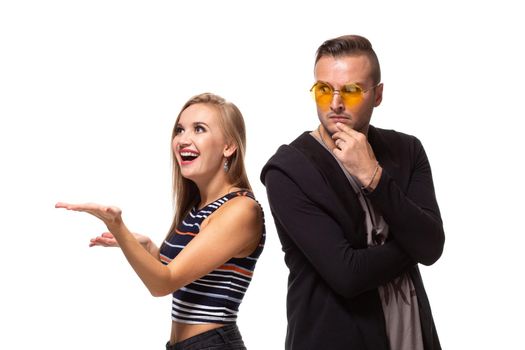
x=89, y=92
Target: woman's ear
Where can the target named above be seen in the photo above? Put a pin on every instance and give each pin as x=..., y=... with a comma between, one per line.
x=229, y=150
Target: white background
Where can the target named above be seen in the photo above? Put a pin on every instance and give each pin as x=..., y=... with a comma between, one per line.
x=89, y=91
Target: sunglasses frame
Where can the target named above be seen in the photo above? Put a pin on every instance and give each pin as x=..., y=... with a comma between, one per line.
x=359, y=91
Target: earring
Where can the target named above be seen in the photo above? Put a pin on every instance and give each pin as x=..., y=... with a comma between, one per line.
x=226, y=165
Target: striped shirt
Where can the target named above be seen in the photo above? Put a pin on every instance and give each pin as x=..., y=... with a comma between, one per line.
x=214, y=298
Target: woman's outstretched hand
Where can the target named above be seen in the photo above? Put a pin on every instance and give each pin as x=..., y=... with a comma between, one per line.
x=104, y=240
x=108, y=240
x=110, y=215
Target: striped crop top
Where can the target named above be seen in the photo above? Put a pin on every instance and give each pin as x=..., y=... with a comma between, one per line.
x=214, y=298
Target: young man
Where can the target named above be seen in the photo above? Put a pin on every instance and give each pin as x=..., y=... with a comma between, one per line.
x=356, y=212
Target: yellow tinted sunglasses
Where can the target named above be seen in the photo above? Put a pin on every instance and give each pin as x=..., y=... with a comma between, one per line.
x=351, y=94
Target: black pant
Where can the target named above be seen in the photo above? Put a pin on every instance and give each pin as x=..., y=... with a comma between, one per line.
x=223, y=338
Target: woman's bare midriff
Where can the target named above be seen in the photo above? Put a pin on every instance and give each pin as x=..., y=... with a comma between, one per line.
x=183, y=331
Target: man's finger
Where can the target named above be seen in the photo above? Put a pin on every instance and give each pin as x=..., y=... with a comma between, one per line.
x=343, y=127
x=341, y=135
x=346, y=129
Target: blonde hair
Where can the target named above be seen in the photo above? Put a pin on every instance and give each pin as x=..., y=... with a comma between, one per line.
x=231, y=121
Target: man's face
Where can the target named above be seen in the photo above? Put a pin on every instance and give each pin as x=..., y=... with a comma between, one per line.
x=338, y=72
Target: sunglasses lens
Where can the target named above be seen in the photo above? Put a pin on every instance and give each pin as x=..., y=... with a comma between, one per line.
x=352, y=94
x=323, y=94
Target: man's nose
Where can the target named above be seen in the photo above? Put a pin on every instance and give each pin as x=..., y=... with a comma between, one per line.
x=337, y=105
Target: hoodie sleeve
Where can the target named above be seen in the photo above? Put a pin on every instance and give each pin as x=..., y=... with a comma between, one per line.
x=304, y=226
x=412, y=213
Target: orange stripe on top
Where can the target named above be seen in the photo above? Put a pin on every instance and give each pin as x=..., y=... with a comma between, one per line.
x=238, y=269
x=185, y=233
x=165, y=259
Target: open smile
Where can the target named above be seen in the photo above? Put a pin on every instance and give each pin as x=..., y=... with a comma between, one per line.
x=187, y=156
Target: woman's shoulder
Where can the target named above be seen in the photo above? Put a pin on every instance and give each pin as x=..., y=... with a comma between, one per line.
x=240, y=213
x=242, y=202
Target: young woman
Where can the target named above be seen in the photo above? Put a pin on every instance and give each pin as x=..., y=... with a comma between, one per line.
x=208, y=257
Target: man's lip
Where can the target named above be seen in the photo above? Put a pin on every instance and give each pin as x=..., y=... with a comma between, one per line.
x=339, y=118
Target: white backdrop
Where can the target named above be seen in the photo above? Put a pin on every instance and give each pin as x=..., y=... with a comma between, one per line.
x=89, y=91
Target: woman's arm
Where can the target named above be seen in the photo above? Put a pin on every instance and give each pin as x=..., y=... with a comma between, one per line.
x=108, y=240
x=234, y=230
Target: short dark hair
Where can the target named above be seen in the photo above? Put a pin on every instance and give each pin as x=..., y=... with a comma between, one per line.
x=351, y=45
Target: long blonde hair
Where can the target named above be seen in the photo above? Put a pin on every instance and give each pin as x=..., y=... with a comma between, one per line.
x=185, y=192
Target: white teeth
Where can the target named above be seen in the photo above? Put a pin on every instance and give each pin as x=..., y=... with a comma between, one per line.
x=188, y=154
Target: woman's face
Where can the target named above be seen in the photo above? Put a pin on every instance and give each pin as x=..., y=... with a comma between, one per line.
x=199, y=144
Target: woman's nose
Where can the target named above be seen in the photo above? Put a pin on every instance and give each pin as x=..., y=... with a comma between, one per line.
x=182, y=140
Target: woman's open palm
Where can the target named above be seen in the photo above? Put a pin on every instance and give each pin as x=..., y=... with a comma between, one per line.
x=110, y=215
